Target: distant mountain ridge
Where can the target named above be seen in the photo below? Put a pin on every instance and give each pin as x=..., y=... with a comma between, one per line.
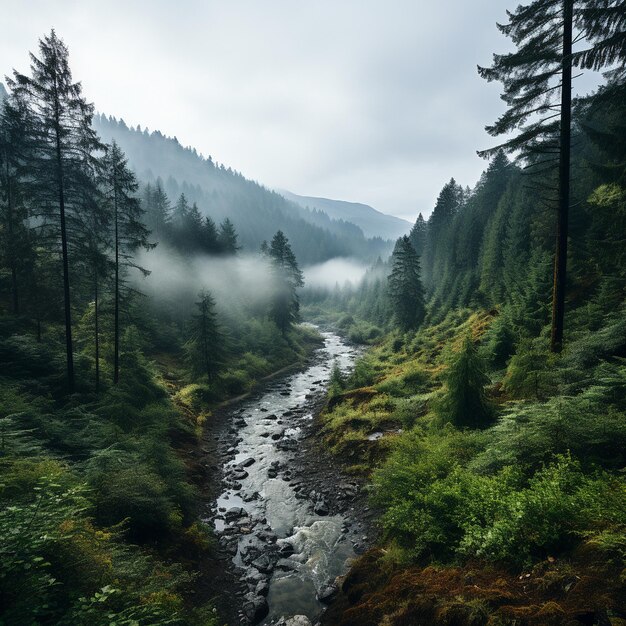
x=257, y=212
x=373, y=223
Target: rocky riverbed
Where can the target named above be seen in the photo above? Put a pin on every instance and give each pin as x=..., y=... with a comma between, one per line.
x=287, y=521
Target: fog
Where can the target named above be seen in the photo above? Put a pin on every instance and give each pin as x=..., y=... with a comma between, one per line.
x=234, y=282
x=242, y=281
x=329, y=273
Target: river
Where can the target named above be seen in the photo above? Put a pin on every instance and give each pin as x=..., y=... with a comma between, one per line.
x=288, y=541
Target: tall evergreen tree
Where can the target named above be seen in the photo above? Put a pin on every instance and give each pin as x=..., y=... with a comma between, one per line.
x=405, y=286
x=158, y=210
x=285, y=306
x=15, y=240
x=446, y=207
x=62, y=141
x=418, y=235
x=205, y=346
x=227, y=238
x=537, y=81
x=129, y=232
x=464, y=402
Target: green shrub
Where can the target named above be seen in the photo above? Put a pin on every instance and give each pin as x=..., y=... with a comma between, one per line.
x=364, y=373
x=463, y=401
x=235, y=382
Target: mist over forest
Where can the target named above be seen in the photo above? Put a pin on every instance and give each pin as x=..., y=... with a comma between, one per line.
x=222, y=404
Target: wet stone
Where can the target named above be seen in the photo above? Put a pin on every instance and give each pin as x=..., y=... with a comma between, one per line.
x=235, y=512
x=263, y=564
x=328, y=593
x=262, y=589
x=256, y=608
x=286, y=549
x=321, y=508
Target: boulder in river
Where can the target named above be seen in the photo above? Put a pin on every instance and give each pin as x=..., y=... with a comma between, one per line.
x=321, y=508
x=328, y=593
x=247, y=462
x=256, y=608
x=262, y=589
x=235, y=512
x=296, y=620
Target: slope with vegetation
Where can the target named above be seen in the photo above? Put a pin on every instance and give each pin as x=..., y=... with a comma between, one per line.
x=494, y=449
x=104, y=389
x=222, y=193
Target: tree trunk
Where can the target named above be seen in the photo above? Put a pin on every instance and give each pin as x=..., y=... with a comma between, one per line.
x=66, y=270
x=16, y=302
x=560, y=258
x=97, y=333
x=116, y=329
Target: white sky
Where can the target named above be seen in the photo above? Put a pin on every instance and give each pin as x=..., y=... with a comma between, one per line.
x=375, y=101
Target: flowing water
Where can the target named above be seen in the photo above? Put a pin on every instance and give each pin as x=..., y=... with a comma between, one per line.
x=280, y=534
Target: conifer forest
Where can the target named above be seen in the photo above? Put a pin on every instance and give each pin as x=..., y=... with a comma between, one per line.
x=222, y=403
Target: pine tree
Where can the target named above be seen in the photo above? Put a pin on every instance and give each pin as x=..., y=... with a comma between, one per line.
x=158, y=211
x=210, y=241
x=418, y=235
x=129, y=232
x=227, y=238
x=205, y=346
x=15, y=240
x=446, y=207
x=534, y=76
x=464, y=402
x=405, y=286
x=285, y=306
x=62, y=142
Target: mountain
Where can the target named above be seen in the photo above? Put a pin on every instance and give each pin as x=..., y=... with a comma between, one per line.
x=373, y=223
x=221, y=192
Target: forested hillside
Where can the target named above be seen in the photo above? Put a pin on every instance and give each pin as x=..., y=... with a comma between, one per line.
x=220, y=193
x=489, y=417
x=125, y=319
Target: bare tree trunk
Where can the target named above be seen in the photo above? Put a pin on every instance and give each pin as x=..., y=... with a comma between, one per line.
x=97, y=333
x=560, y=258
x=66, y=270
x=116, y=330
x=14, y=292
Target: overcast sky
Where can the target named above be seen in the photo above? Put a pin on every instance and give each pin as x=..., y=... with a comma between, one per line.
x=375, y=101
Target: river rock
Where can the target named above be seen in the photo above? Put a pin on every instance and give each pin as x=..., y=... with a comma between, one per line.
x=262, y=589
x=263, y=564
x=247, y=462
x=328, y=593
x=235, y=512
x=239, y=474
x=286, y=549
x=296, y=620
x=256, y=608
x=321, y=508
x=253, y=576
